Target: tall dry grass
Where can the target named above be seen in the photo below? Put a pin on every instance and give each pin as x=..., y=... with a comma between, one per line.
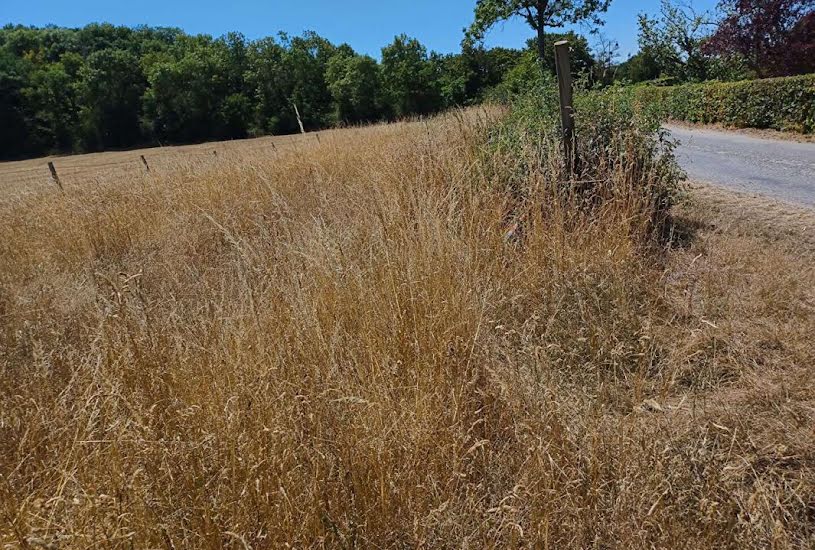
x=337, y=347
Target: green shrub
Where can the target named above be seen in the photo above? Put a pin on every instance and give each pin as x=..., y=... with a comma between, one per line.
x=621, y=155
x=786, y=104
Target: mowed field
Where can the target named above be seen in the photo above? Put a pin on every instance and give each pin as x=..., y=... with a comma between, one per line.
x=33, y=176
x=337, y=343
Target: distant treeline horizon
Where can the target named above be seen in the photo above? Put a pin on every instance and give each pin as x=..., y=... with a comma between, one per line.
x=103, y=87
x=107, y=87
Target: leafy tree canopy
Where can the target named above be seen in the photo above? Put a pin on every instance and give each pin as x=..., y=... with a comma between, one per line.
x=538, y=14
x=774, y=37
x=674, y=39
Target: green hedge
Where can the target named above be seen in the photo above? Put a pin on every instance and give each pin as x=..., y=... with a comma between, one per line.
x=779, y=103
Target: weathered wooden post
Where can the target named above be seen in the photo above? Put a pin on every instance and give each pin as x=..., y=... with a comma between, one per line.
x=564, y=80
x=144, y=161
x=299, y=120
x=54, y=176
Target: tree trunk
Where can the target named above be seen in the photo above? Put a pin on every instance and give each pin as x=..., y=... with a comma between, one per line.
x=540, y=27
x=541, y=45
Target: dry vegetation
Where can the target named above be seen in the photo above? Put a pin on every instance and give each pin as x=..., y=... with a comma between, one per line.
x=337, y=347
x=28, y=177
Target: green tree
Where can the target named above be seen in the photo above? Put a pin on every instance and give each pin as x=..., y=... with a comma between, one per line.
x=13, y=120
x=22, y=42
x=306, y=61
x=582, y=59
x=538, y=14
x=111, y=85
x=526, y=74
x=289, y=72
x=104, y=36
x=354, y=82
x=640, y=67
x=464, y=78
x=408, y=78
x=198, y=93
x=270, y=86
x=51, y=99
x=675, y=40
x=456, y=80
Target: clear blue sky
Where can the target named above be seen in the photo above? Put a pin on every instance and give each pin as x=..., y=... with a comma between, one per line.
x=367, y=25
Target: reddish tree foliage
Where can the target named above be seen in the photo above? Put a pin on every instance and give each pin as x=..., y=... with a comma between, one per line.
x=801, y=51
x=775, y=37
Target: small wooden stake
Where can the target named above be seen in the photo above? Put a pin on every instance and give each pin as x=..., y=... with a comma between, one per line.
x=54, y=176
x=144, y=161
x=564, y=80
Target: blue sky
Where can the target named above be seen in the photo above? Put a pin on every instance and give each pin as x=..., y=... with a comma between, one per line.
x=365, y=24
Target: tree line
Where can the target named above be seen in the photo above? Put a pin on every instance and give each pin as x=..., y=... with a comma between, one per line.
x=104, y=87
x=740, y=39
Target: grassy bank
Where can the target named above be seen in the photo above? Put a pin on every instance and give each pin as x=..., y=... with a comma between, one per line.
x=343, y=346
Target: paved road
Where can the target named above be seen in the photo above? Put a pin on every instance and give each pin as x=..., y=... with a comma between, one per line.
x=780, y=169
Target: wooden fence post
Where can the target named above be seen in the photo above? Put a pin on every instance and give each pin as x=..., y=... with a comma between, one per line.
x=564, y=80
x=299, y=120
x=54, y=176
x=144, y=161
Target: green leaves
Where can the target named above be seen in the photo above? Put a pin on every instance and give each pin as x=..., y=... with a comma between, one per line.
x=13, y=120
x=355, y=85
x=779, y=103
x=538, y=14
x=408, y=77
x=110, y=90
x=675, y=41
x=104, y=86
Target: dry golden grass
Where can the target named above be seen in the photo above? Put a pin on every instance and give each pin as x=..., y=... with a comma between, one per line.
x=335, y=347
x=32, y=176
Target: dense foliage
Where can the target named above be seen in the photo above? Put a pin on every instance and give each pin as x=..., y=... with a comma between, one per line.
x=615, y=134
x=102, y=86
x=775, y=37
x=525, y=75
x=105, y=87
x=538, y=14
x=777, y=103
x=742, y=39
x=674, y=41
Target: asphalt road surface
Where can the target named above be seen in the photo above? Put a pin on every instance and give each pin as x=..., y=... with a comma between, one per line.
x=783, y=170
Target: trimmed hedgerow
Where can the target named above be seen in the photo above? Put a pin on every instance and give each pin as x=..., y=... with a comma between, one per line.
x=779, y=103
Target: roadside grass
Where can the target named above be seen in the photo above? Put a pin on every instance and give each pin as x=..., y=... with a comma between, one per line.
x=338, y=347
